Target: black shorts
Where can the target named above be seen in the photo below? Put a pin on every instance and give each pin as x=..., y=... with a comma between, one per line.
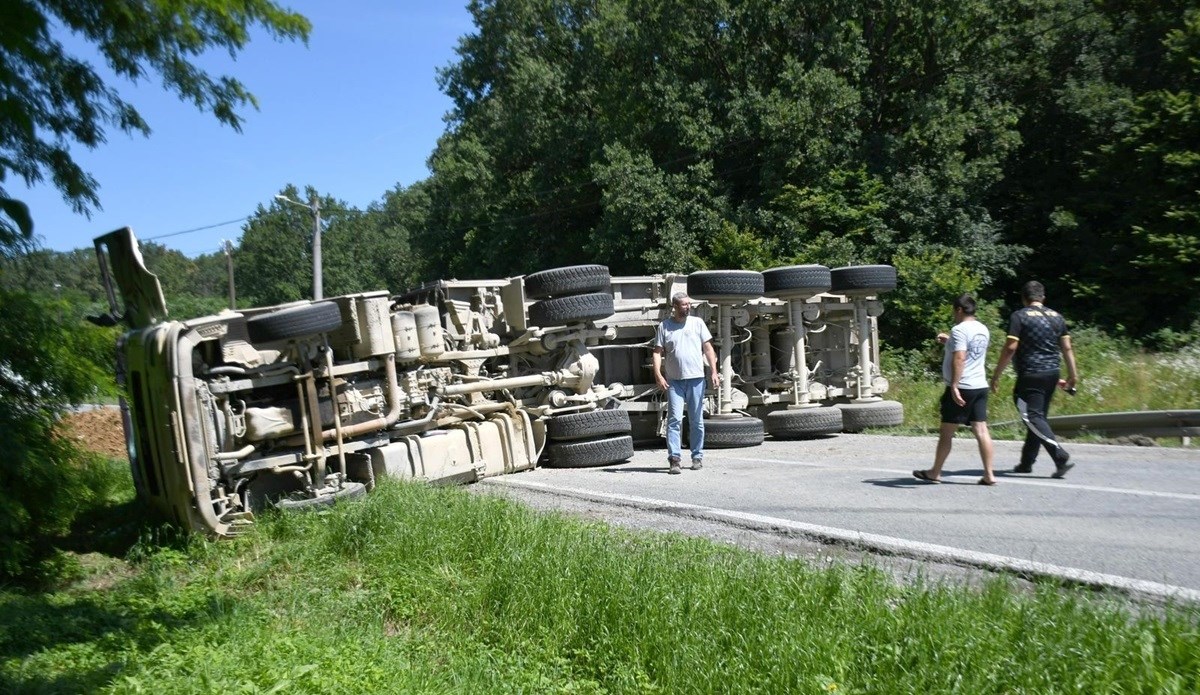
x=975, y=409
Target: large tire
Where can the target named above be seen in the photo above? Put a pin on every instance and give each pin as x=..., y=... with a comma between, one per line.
x=593, y=423
x=562, y=282
x=717, y=285
x=802, y=423
x=294, y=322
x=563, y=310
x=863, y=279
x=857, y=417
x=796, y=280
x=732, y=432
x=590, y=453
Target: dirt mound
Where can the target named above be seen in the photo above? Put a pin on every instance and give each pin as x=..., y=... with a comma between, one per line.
x=98, y=430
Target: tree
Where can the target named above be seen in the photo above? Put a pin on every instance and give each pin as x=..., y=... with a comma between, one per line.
x=1147, y=210
x=1104, y=181
x=48, y=361
x=273, y=264
x=640, y=134
x=190, y=287
x=49, y=101
x=52, y=99
x=399, y=218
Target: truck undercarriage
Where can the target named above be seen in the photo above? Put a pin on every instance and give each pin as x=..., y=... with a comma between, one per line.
x=302, y=404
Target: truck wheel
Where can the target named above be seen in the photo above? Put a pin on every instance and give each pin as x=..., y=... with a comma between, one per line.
x=593, y=423
x=562, y=310
x=732, y=432
x=294, y=322
x=795, y=280
x=590, y=453
x=803, y=423
x=561, y=282
x=863, y=279
x=856, y=417
x=349, y=491
x=725, y=284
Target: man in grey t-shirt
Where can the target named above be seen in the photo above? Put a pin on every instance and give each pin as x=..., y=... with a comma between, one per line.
x=682, y=345
x=964, y=401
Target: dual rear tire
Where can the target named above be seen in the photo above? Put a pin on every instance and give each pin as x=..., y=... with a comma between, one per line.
x=572, y=294
x=589, y=439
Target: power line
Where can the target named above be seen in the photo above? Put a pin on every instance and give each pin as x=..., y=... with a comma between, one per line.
x=198, y=229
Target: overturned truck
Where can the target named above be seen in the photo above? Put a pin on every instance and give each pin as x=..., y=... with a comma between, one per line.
x=297, y=405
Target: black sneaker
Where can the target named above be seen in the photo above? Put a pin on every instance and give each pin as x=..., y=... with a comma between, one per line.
x=1062, y=464
x=1023, y=468
x=674, y=469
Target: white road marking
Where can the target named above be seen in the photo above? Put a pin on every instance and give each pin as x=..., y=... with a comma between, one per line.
x=1004, y=480
x=876, y=541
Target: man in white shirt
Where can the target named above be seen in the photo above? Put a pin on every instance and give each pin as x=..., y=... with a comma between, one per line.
x=964, y=401
x=686, y=344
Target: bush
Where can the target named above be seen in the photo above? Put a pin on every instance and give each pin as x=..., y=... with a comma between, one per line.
x=927, y=283
x=47, y=363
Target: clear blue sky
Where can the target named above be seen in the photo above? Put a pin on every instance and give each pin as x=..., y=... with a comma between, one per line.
x=354, y=114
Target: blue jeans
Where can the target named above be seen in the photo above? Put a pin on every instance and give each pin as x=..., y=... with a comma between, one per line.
x=688, y=392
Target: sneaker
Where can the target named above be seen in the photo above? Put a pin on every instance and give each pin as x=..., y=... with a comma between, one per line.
x=697, y=464
x=1062, y=465
x=674, y=469
x=1023, y=468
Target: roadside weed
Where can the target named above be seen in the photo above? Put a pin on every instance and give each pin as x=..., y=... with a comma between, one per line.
x=421, y=589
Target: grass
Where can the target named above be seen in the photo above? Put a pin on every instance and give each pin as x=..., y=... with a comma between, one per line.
x=436, y=590
x=1115, y=376
x=430, y=590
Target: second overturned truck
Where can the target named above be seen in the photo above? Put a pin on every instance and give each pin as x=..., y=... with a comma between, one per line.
x=301, y=404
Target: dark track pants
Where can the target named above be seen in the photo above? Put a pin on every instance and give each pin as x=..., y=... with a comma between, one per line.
x=1033, y=394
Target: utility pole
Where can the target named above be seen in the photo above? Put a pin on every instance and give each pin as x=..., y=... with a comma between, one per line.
x=318, y=290
x=315, y=208
x=229, y=271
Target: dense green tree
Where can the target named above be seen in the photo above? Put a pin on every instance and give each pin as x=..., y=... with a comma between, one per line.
x=211, y=278
x=399, y=218
x=355, y=253
x=72, y=275
x=1146, y=211
x=53, y=99
x=273, y=263
x=1100, y=186
x=634, y=133
x=675, y=136
x=49, y=360
x=189, y=288
x=49, y=101
x=1046, y=138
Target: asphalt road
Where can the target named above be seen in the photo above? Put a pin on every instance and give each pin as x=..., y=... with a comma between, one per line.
x=1125, y=517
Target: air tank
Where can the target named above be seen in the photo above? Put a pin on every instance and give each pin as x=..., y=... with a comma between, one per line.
x=375, y=330
x=429, y=331
x=404, y=326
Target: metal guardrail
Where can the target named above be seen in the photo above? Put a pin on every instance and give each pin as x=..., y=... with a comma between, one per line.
x=1149, y=423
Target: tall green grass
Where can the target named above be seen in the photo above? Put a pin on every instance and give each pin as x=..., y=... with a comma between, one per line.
x=420, y=589
x=1115, y=376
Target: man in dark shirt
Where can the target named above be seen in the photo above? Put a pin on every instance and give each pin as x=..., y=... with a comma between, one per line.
x=1036, y=337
